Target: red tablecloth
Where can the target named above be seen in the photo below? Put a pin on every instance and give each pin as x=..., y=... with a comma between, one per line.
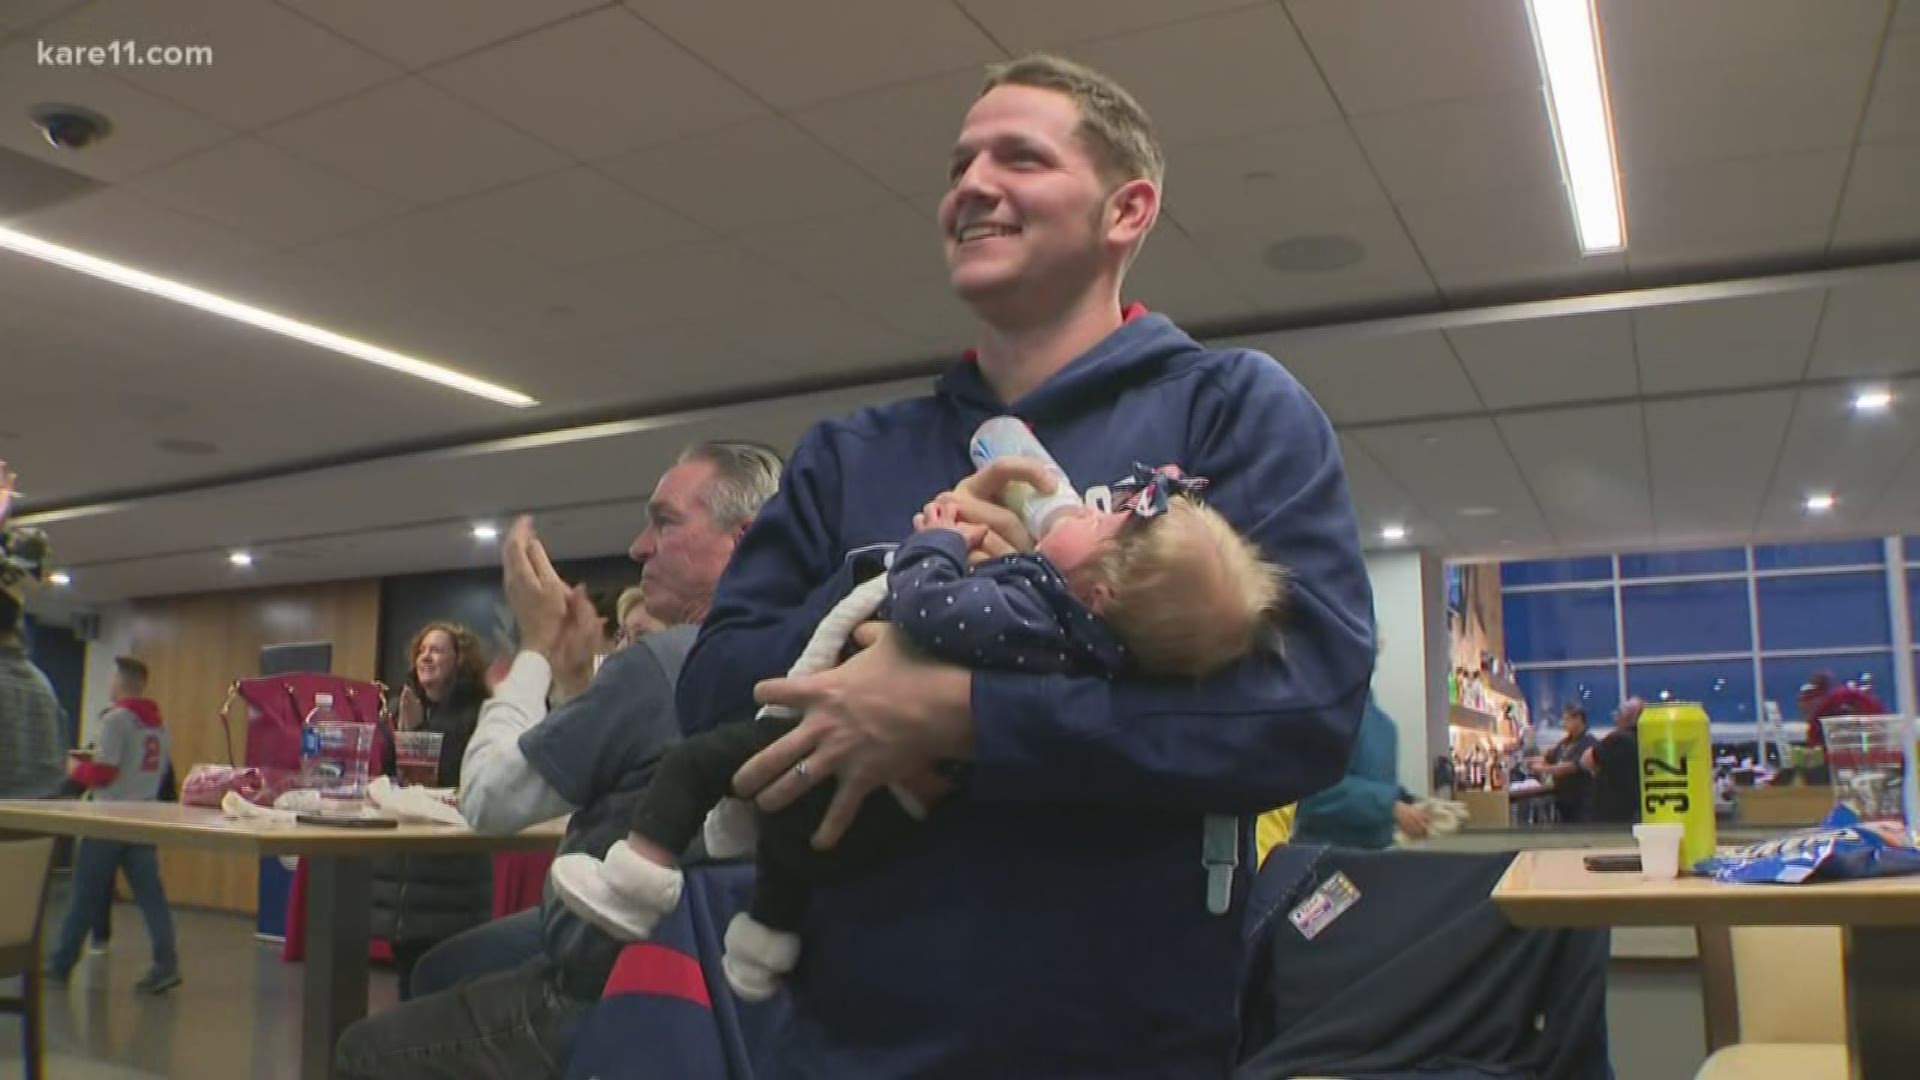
x=518, y=879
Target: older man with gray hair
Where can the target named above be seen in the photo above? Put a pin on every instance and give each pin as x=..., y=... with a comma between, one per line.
x=590, y=756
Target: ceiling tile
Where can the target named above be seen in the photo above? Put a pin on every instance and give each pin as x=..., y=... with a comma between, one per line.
x=1250, y=181
x=148, y=130
x=1682, y=32
x=1216, y=76
x=1882, y=203
x=1828, y=448
x=758, y=173
x=1870, y=328
x=877, y=253
x=1173, y=276
x=797, y=53
x=267, y=63
x=1733, y=210
x=1906, y=18
x=1710, y=110
x=902, y=135
x=701, y=281
x=1379, y=502
x=432, y=260
x=266, y=193
x=1516, y=238
x=414, y=141
x=20, y=14
x=1452, y=465
x=1388, y=54
x=574, y=85
x=1712, y=458
x=574, y=217
x=420, y=32
x=1541, y=361
x=1022, y=27
x=1894, y=112
x=1726, y=343
x=1388, y=268
x=1588, y=469
x=802, y=337
x=126, y=228
x=1462, y=147
x=1373, y=378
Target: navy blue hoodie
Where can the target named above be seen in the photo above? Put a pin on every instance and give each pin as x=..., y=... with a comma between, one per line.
x=1051, y=919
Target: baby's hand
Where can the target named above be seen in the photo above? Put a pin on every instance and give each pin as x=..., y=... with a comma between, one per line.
x=937, y=515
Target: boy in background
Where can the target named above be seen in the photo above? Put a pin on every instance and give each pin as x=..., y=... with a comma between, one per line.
x=129, y=766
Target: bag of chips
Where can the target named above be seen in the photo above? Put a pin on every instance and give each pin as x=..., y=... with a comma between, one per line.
x=1841, y=849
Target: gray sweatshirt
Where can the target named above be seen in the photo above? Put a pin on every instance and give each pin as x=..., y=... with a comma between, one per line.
x=31, y=756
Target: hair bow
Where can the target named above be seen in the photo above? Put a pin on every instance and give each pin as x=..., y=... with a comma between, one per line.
x=1148, y=491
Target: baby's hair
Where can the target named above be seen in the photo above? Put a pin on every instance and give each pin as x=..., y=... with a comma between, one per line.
x=1190, y=594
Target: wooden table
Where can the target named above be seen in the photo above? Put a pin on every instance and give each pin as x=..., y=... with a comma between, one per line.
x=1879, y=918
x=338, y=893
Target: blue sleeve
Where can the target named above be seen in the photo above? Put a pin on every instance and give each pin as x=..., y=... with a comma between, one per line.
x=621, y=722
x=1272, y=729
x=763, y=609
x=945, y=610
x=1361, y=804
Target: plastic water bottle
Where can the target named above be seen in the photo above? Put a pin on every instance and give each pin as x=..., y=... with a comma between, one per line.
x=1009, y=436
x=334, y=755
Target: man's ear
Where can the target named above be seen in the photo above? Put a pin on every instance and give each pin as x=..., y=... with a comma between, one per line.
x=1131, y=211
x=1101, y=597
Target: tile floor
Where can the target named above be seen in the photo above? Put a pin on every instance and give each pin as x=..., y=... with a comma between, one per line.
x=237, y=1015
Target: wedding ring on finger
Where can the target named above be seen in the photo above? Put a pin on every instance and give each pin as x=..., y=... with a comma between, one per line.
x=800, y=769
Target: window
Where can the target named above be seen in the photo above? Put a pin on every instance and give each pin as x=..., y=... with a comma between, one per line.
x=1723, y=687
x=1678, y=563
x=1825, y=553
x=1686, y=617
x=1565, y=624
x=1913, y=601
x=1549, y=690
x=1823, y=611
x=1782, y=676
x=1913, y=549
x=1556, y=571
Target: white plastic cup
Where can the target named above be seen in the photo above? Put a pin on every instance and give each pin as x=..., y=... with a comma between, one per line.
x=1659, y=849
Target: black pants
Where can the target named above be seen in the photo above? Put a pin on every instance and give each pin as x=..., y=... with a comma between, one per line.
x=698, y=773
x=515, y=1025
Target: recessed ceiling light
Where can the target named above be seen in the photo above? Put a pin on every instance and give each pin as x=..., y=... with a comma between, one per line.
x=60, y=578
x=1566, y=37
x=168, y=289
x=1393, y=534
x=1873, y=401
x=1819, y=503
x=486, y=532
x=241, y=559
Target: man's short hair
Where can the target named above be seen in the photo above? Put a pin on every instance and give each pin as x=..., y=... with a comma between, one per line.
x=10, y=613
x=745, y=476
x=1114, y=125
x=1573, y=711
x=133, y=672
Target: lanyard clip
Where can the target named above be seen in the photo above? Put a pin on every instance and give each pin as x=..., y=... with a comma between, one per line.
x=1220, y=854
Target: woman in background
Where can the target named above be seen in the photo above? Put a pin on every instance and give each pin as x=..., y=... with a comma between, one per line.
x=419, y=900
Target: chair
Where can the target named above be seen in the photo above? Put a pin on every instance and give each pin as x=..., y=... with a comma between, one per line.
x=1790, y=1006
x=25, y=867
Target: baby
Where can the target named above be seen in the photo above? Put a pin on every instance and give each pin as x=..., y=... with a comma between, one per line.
x=1160, y=585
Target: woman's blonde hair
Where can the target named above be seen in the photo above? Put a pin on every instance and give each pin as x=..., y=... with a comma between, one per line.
x=630, y=598
x=1190, y=594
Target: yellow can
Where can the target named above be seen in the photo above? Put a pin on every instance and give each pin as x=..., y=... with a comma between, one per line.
x=1676, y=774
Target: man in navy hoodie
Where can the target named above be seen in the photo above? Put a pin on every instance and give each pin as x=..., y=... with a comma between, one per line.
x=1053, y=918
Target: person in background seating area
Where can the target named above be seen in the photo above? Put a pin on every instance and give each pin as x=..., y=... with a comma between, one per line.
x=1364, y=808
x=30, y=739
x=1614, y=763
x=134, y=747
x=633, y=618
x=420, y=900
x=1572, y=785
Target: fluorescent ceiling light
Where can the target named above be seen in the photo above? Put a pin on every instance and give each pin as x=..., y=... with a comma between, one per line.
x=1393, y=534
x=60, y=577
x=1872, y=401
x=1819, y=504
x=485, y=532
x=1566, y=35
x=167, y=289
x=241, y=559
